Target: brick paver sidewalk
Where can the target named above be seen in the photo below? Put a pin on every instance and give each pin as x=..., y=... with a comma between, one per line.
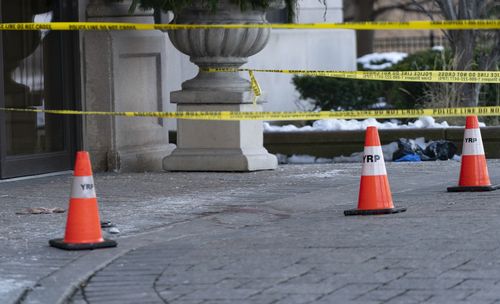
x=267, y=237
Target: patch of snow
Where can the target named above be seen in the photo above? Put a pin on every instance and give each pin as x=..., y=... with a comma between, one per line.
x=287, y=128
x=327, y=174
x=114, y=230
x=438, y=48
x=10, y=285
x=369, y=60
x=302, y=159
x=356, y=157
x=321, y=160
x=427, y=122
x=379, y=105
x=424, y=122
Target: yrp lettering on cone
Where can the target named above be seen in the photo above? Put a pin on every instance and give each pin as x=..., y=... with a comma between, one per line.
x=371, y=158
x=374, y=191
x=83, y=187
x=474, y=169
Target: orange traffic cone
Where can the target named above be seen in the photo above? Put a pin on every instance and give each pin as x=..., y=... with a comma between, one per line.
x=474, y=171
x=83, y=228
x=374, y=190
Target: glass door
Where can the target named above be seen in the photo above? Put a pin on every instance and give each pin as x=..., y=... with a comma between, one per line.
x=39, y=72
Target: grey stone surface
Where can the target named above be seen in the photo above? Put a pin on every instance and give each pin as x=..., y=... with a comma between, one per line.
x=124, y=71
x=219, y=145
x=262, y=237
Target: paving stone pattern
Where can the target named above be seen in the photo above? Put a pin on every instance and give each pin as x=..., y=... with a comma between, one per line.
x=280, y=237
x=445, y=249
x=136, y=203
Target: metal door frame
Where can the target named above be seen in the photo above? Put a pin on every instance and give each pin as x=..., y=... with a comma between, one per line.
x=69, y=84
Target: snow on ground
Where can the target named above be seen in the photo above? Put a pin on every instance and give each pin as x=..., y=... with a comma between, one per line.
x=307, y=159
x=425, y=122
x=388, y=151
x=11, y=285
x=380, y=61
x=326, y=174
x=438, y=48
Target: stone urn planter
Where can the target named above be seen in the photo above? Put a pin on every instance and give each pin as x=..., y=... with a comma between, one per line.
x=20, y=45
x=218, y=145
x=17, y=46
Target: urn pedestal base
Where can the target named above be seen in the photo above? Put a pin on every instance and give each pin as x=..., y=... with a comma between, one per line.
x=220, y=160
x=219, y=145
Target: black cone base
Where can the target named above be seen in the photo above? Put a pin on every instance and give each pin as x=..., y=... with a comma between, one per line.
x=59, y=243
x=473, y=189
x=107, y=224
x=374, y=211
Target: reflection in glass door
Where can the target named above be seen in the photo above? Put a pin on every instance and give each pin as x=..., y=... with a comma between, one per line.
x=38, y=73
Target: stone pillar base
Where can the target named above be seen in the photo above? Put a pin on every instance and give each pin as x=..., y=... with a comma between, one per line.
x=219, y=160
x=147, y=159
x=219, y=145
x=124, y=71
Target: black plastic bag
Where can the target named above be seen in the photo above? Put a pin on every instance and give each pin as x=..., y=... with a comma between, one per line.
x=434, y=150
x=440, y=149
x=408, y=147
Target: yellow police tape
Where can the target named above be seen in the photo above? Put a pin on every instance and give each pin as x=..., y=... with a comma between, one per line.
x=255, y=87
x=408, y=25
x=407, y=76
x=226, y=115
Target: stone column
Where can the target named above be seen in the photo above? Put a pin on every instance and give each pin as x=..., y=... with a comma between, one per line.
x=124, y=71
x=314, y=11
x=218, y=145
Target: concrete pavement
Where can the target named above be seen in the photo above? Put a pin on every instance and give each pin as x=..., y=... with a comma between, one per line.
x=263, y=237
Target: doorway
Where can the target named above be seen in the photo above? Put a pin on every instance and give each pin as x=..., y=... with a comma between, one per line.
x=40, y=71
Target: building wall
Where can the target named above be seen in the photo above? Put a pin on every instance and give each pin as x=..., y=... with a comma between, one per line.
x=407, y=41
x=290, y=49
x=314, y=11
x=395, y=40
x=300, y=50
x=304, y=50
x=401, y=15
x=137, y=71
x=123, y=71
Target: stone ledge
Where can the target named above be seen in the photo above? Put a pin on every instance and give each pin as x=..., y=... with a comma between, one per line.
x=336, y=143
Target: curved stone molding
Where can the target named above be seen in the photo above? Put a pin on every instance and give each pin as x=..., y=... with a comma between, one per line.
x=219, y=48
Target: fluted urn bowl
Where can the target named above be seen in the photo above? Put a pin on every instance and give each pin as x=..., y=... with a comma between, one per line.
x=219, y=48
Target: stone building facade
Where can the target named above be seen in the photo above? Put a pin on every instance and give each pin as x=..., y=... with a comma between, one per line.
x=125, y=71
